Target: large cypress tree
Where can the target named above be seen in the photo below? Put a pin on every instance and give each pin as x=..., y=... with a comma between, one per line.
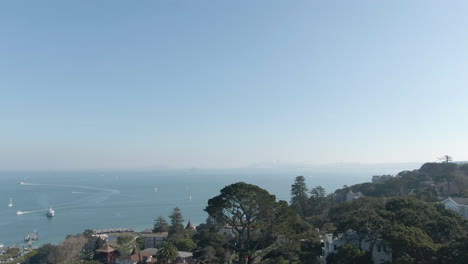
x=176, y=221
x=160, y=225
x=299, y=195
x=254, y=216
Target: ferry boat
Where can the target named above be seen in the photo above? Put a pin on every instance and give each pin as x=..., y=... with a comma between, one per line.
x=50, y=213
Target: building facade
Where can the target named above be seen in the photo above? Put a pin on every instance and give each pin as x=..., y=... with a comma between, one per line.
x=459, y=205
x=381, y=251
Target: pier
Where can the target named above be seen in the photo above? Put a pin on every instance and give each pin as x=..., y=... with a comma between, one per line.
x=113, y=230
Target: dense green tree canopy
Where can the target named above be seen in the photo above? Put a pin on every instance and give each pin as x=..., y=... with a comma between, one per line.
x=160, y=225
x=167, y=253
x=126, y=244
x=177, y=221
x=299, y=195
x=415, y=229
x=254, y=215
x=349, y=254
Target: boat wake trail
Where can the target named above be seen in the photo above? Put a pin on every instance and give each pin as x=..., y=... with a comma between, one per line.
x=30, y=212
x=94, y=195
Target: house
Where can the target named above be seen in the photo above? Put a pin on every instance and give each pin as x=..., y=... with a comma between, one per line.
x=381, y=251
x=459, y=205
x=381, y=178
x=107, y=254
x=154, y=240
x=190, y=226
x=353, y=196
x=227, y=231
x=185, y=257
x=427, y=184
x=137, y=257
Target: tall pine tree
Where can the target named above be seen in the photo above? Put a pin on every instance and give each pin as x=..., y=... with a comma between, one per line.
x=160, y=225
x=299, y=195
x=176, y=221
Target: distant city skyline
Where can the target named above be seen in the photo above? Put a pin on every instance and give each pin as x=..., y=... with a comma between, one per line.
x=228, y=84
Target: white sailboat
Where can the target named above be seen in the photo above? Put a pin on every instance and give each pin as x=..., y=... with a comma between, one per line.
x=11, y=203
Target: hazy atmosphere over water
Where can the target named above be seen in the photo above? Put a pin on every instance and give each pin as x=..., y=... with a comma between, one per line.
x=92, y=199
x=220, y=84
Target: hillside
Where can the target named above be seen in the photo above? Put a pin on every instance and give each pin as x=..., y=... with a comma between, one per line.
x=432, y=182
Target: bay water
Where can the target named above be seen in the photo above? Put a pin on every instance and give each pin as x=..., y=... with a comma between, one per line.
x=92, y=199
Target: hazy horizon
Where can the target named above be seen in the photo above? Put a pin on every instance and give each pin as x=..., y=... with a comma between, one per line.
x=228, y=84
x=254, y=167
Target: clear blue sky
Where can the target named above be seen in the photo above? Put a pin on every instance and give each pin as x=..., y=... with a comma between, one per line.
x=125, y=84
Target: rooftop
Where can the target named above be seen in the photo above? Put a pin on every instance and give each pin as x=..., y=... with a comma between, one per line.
x=162, y=234
x=460, y=201
x=107, y=249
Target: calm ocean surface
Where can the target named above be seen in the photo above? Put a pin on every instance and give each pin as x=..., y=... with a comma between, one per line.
x=111, y=199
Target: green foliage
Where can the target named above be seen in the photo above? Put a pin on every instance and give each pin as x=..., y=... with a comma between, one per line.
x=277, y=260
x=13, y=251
x=409, y=242
x=299, y=195
x=439, y=171
x=318, y=192
x=167, y=253
x=212, y=255
x=349, y=254
x=455, y=252
x=88, y=233
x=317, y=203
x=410, y=183
x=185, y=244
x=415, y=229
x=42, y=255
x=177, y=221
x=209, y=238
x=10, y=253
x=126, y=244
x=257, y=220
x=160, y=225
x=24, y=259
x=249, y=209
x=140, y=243
x=210, y=246
x=424, y=194
x=89, y=249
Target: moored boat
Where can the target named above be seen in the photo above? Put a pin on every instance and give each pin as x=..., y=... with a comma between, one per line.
x=31, y=237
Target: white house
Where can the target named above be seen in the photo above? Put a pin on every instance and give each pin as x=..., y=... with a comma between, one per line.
x=228, y=231
x=381, y=251
x=353, y=196
x=459, y=205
